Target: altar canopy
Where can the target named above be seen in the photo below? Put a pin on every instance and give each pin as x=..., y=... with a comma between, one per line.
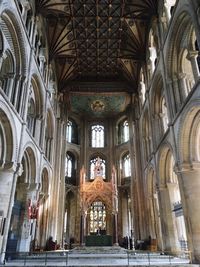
x=98, y=198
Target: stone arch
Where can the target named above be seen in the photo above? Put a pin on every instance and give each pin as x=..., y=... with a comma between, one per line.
x=189, y=134
x=164, y=155
x=38, y=94
x=12, y=31
x=9, y=147
x=44, y=181
x=35, y=110
x=157, y=88
x=159, y=108
x=29, y=163
x=180, y=36
x=170, y=198
x=47, y=171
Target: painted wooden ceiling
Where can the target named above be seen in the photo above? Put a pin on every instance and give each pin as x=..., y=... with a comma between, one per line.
x=98, y=46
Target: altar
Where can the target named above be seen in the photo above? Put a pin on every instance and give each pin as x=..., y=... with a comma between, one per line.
x=98, y=240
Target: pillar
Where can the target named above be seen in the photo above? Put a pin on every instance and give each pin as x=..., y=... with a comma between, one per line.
x=192, y=56
x=190, y=184
x=115, y=230
x=8, y=178
x=168, y=226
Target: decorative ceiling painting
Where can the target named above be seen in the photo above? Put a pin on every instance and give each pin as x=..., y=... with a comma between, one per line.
x=99, y=105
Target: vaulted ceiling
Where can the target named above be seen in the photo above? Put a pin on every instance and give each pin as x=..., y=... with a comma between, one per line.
x=98, y=46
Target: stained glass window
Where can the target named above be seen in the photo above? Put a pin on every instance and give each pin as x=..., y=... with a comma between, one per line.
x=97, y=216
x=97, y=135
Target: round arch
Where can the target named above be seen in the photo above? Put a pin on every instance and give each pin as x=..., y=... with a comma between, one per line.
x=39, y=95
x=29, y=163
x=182, y=30
x=164, y=160
x=8, y=144
x=12, y=28
x=189, y=134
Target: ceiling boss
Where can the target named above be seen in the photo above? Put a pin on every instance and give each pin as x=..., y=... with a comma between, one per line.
x=97, y=106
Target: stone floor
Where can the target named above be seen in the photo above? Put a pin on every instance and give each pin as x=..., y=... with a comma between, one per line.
x=98, y=256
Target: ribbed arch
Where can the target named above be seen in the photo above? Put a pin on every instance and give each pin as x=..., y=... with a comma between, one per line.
x=13, y=33
x=6, y=139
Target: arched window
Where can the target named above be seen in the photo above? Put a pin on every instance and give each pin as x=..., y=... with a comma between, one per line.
x=153, y=46
x=7, y=74
x=97, y=217
x=69, y=131
x=164, y=114
x=126, y=165
x=97, y=168
x=142, y=87
x=72, y=132
x=169, y=6
x=97, y=132
x=123, y=131
x=31, y=116
x=68, y=166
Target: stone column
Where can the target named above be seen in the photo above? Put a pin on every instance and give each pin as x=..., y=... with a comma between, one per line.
x=8, y=178
x=168, y=227
x=115, y=230
x=183, y=87
x=192, y=56
x=82, y=228
x=190, y=185
x=176, y=91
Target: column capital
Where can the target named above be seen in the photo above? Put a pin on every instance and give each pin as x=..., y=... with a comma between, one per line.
x=9, y=166
x=187, y=167
x=192, y=54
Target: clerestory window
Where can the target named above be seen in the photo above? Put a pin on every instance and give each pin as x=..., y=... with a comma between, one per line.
x=97, y=132
x=126, y=165
x=72, y=132
x=123, y=131
x=68, y=166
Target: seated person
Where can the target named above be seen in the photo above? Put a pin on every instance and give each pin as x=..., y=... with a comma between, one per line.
x=50, y=245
